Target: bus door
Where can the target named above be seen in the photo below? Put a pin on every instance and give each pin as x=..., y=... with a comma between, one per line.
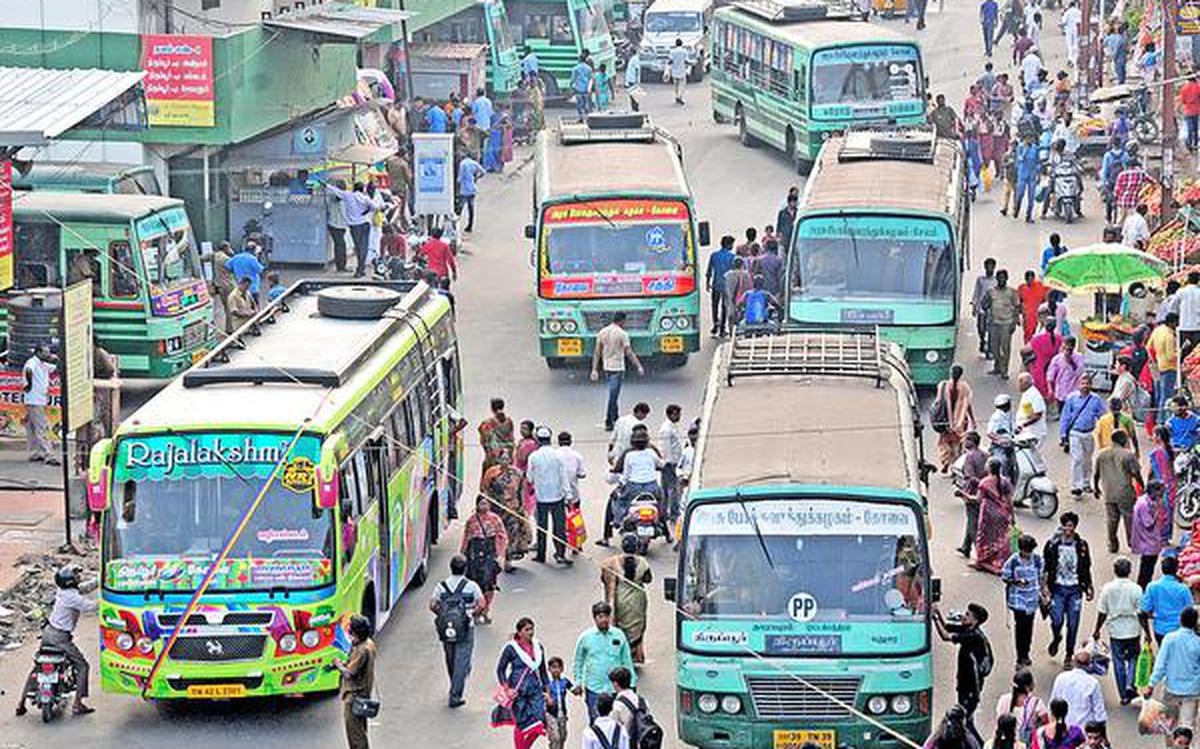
x=377, y=478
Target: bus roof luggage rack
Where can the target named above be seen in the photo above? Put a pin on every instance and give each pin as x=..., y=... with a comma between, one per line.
x=259, y=375
x=900, y=144
x=799, y=11
x=809, y=351
x=607, y=127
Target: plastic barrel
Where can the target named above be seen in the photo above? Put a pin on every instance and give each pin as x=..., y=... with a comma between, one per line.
x=34, y=319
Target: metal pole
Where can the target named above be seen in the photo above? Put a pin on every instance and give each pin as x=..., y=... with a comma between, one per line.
x=408, y=79
x=1169, y=133
x=65, y=422
x=1083, y=65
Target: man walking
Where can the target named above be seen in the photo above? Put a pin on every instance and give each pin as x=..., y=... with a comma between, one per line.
x=599, y=649
x=785, y=221
x=1163, y=602
x=549, y=478
x=1004, y=310
x=1177, y=668
x=1081, y=691
x=456, y=602
x=1068, y=579
x=1189, y=100
x=983, y=286
x=613, y=347
x=1115, y=478
x=1117, y=608
x=1076, y=423
x=469, y=170
x=988, y=12
x=1028, y=170
x=678, y=66
x=1164, y=360
x=975, y=658
x=670, y=443
x=581, y=84
x=36, y=373
x=719, y=263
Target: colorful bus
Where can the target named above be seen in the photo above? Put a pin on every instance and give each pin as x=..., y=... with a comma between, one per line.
x=882, y=239
x=337, y=405
x=485, y=22
x=803, y=591
x=614, y=229
x=792, y=75
x=151, y=302
x=558, y=31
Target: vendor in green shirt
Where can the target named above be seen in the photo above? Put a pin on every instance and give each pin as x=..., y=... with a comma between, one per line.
x=597, y=651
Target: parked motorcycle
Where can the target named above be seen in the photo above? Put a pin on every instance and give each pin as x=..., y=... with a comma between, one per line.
x=53, y=687
x=1187, y=494
x=1067, y=186
x=258, y=230
x=1032, y=488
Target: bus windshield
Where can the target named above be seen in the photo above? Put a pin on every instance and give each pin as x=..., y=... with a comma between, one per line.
x=869, y=258
x=501, y=32
x=589, y=19
x=665, y=22
x=169, y=251
x=864, y=76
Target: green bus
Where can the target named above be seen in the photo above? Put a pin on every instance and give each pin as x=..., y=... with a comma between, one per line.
x=882, y=239
x=558, y=31
x=338, y=405
x=803, y=591
x=614, y=229
x=83, y=176
x=791, y=76
x=151, y=302
x=485, y=22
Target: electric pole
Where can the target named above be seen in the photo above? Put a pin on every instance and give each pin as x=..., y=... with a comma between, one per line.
x=1169, y=133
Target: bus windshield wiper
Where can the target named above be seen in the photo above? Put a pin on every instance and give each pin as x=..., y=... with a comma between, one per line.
x=762, y=542
x=595, y=210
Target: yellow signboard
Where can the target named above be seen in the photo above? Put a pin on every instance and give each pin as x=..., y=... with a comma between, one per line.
x=77, y=354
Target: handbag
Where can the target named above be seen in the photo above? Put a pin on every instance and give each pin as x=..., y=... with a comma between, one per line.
x=576, y=528
x=364, y=707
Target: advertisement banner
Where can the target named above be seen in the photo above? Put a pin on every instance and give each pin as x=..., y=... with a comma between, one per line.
x=616, y=210
x=433, y=155
x=77, y=359
x=12, y=404
x=179, y=81
x=6, y=226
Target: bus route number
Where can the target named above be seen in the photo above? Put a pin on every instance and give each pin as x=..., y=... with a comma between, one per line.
x=802, y=607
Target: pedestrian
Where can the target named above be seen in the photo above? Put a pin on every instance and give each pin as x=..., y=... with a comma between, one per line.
x=953, y=732
x=1045, y=345
x=400, y=177
x=1064, y=372
x=530, y=66
x=988, y=12
x=626, y=702
x=1162, y=469
x=1008, y=168
x=1128, y=187
x=979, y=309
x=1183, y=425
x=956, y=395
x=603, y=732
x=1081, y=691
x=439, y=255
x=545, y=471
x=1177, y=668
x=484, y=547
x=1135, y=232
x=581, y=84
x=558, y=691
x=357, y=680
x=1124, y=392
x=241, y=305
x=677, y=66
x=974, y=470
x=738, y=281
x=1110, y=166
x=720, y=262
x=1117, y=611
x=573, y=465
x=944, y=119
x=1005, y=736
x=749, y=248
x=275, y=287
x=1022, y=576
x=625, y=577
x=1117, y=49
x=335, y=224
x=599, y=649
x=1029, y=167
x=1032, y=294
x=612, y=349
x=359, y=208
x=770, y=267
x=1022, y=704
x=521, y=672
x=1164, y=359
x=671, y=439
x=1071, y=22
x=992, y=542
x=603, y=91
x=974, y=661
x=1068, y=580
x=457, y=603
x=246, y=264
x=1149, y=530
x=224, y=281
x=1031, y=410
x=469, y=171
x=496, y=436
x=1189, y=103
x=1004, y=314
x=1163, y=601
x=1059, y=733
x=1080, y=412
x=1116, y=477
x=36, y=374
x=633, y=78
x=785, y=220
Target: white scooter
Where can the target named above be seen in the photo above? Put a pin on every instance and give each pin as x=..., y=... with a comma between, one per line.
x=1032, y=488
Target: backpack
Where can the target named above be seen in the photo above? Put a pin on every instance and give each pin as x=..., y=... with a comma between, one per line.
x=984, y=665
x=604, y=741
x=646, y=733
x=939, y=414
x=452, y=618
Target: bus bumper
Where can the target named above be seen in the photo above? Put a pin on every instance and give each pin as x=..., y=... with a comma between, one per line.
x=734, y=732
x=567, y=349
x=219, y=681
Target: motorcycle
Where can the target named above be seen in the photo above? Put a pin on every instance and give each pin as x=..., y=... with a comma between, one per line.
x=643, y=519
x=258, y=230
x=1187, y=496
x=1023, y=463
x=54, y=684
x=1067, y=187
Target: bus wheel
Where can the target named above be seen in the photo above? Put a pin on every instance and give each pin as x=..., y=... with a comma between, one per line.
x=803, y=165
x=718, y=117
x=549, y=85
x=673, y=361
x=556, y=362
x=743, y=133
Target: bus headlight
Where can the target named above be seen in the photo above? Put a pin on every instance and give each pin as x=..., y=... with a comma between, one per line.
x=731, y=704
x=287, y=643
x=901, y=704
x=554, y=326
x=311, y=638
x=124, y=641
x=708, y=703
x=932, y=356
x=570, y=326
x=666, y=323
x=877, y=705
x=145, y=645
x=683, y=323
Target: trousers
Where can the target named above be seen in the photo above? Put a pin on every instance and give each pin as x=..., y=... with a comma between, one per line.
x=1082, y=445
x=547, y=512
x=1023, y=632
x=65, y=642
x=614, y=381
x=1066, y=602
x=1026, y=194
x=989, y=30
x=361, y=235
x=338, y=235
x=1113, y=515
x=1183, y=707
x=458, y=663
x=356, y=727
x=680, y=82
x=1124, y=662
x=468, y=202
x=1000, y=336
x=972, y=512
x=719, y=312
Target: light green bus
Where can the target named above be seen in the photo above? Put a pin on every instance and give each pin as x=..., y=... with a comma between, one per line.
x=614, y=229
x=803, y=591
x=484, y=22
x=558, y=31
x=150, y=303
x=337, y=403
x=792, y=76
x=882, y=239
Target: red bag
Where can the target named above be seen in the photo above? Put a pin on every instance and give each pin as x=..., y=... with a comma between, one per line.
x=576, y=528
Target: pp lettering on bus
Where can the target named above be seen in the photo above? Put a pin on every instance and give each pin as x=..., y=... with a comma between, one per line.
x=802, y=607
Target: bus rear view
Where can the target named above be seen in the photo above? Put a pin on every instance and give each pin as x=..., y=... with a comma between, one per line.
x=804, y=594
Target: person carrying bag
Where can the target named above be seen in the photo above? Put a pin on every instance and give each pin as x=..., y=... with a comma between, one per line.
x=358, y=683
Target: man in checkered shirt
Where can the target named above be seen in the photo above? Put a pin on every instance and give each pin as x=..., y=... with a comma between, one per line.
x=1129, y=186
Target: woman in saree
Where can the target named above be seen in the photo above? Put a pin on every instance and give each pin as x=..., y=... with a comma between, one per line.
x=496, y=436
x=502, y=483
x=522, y=674
x=624, y=577
x=992, y=543
x=484, y=544
x=957, y=395
x=1162, y=467
x=525, y=448
x=1044, y=345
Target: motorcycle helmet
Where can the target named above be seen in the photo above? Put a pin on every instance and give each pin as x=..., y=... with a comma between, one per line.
x=1002, y=401
x=67, y=577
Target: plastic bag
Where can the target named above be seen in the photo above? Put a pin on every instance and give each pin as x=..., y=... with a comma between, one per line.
x=1154, y=719
x=1100, y=657
x=576, y=529
x=987, y=177
x=1143, y=668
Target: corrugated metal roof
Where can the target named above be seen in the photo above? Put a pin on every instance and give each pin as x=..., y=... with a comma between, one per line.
x=39, y=104
x=338, y=20
x=446, y=50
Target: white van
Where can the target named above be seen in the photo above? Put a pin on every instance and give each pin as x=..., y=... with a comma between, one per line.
x=668, y=20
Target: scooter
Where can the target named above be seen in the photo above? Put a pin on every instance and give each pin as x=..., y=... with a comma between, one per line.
x=54, y=684
x=1067, y=189
x=642, y=518
x=1031, y=486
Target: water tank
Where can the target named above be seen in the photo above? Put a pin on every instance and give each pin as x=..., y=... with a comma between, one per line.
x=34, y=318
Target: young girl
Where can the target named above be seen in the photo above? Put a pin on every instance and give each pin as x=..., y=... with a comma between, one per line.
x=1057, y=734
x=603, y=88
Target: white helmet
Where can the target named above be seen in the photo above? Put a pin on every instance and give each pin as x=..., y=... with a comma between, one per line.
x=1002, y=401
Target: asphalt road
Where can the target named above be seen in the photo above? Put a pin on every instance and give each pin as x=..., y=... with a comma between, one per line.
x=735, y=187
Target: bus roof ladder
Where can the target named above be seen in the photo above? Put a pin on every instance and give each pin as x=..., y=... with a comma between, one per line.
x=896, y=144
x=608, y=127
x=799, y=11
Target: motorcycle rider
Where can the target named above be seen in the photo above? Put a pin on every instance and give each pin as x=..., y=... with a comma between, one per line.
x=637, y=471
x=1000, y=430
x=69, y=604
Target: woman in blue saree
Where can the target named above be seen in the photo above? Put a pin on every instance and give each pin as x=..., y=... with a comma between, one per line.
x=523, y=679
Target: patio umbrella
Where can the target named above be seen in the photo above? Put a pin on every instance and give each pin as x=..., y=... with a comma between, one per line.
x=1104, y=267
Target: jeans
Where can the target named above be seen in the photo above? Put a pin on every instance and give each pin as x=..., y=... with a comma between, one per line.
x=1119, y=67
x=583, y=103
x=1164, y=390
x=670, y=490
x=972, y=512
x=982, y=320
x=1026, y=188
x=338, y=235
x=1066, y=602
x=680, y=83
x=1124, y=662
x=589, y=699
x=989, y=30
x=1193, y=135
x=458, y=663
x=468, y=202
x=719, y=312
x=614, y=380
x=1023, y=632
x=547, y=511
x=361, y=234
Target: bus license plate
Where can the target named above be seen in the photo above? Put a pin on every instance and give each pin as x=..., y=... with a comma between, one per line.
x=217, y=691
x=672, y=344
x=570, y=347
x=797, y=739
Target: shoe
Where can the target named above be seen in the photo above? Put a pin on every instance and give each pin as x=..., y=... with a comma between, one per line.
x=1029, y=221
x=36, y=458
x=964, y=553
x=608, y=427
x=1024, y=662
x=21, y=710
x=457, y=703
x=603, y=543
x=564, y=561
x=1067, y=662
x=1077, y=493
x=540, y=560
x=1054, y=643
x=82, y=709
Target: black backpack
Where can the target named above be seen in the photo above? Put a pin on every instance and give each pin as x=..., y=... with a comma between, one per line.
x=646, y=733
x=605, y=741
x=985, y=663
x=452, y=616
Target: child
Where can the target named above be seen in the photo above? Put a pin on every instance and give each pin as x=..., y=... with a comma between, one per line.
x=769, y=235
x=275, y=287
x=558, y=688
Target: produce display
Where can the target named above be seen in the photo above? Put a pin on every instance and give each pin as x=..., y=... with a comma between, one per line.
x=1171, y=241
x=1189, y=559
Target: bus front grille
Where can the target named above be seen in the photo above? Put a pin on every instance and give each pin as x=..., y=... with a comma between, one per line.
x=635, y=319
x=786, y=697
x=219, y=648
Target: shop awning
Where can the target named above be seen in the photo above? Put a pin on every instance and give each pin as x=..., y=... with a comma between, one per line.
x=360, y=153
x=40, y=104
x=338, y=22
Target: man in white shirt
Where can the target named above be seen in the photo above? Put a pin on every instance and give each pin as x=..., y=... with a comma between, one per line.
x=1030, y=65
x=670, y=444
x=1118, y=605
x=1189, y=314
x=1135, y=229
x=678, y=62
x=1065, y=132
x=59, y=632
x=1031, y=411
x=614, y=737
x=1082, y=692
x=613, y=347
x=549, y=478
x=572, y=464
x=37, y=371
x=622, y=431
x=625, y=700
x=1070, y=20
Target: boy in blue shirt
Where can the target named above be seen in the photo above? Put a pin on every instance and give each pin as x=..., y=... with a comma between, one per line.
x=559, y=687
x=1163, y=601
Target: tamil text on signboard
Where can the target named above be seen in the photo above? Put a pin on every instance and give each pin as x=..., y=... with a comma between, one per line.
x=6, y=226
x=179, y=80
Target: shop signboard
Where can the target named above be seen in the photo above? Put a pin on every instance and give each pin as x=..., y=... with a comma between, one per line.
x=77, y=361
x=179, y=83
x=6, y=226
x=1188, y=21
x=12, y=404
x=433, y=155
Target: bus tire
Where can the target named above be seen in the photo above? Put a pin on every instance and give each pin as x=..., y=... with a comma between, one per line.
x=744, y=135
x=356, y=302
x=673, y=361
x=803, y=165
x=718, y=117
x=556, y=362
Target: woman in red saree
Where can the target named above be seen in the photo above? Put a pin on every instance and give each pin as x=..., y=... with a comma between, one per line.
x=992, y=544
x=525, y=447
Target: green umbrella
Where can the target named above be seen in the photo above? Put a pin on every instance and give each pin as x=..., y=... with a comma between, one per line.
x=1104, y=267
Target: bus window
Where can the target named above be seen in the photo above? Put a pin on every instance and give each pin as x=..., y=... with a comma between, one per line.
x=169, y=258
x=589, y=19
x=348, y=504
x=122, y=275
x=366, y=489
x=37, y=250
x=83, y=264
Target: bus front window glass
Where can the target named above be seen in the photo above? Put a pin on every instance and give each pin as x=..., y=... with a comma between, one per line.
x=122, y=274
x=502, y=38
x=621, y=248
x=866, y=74
x=589, y=19
x=673, y=22
x=170, y=258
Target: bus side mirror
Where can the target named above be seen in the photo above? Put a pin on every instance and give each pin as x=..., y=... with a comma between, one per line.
x=99, y=484
x=935, y=590
x=530, y=231
x=669, y=588
x=327, y=487
x=705, y=234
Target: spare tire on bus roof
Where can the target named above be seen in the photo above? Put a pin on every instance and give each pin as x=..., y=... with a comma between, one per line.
x=356, y=302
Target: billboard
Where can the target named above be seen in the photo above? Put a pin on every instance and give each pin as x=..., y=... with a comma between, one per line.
x=179, y=83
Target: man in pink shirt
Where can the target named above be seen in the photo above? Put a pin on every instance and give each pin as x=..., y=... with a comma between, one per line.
x=1062, y=376
x=439, y=258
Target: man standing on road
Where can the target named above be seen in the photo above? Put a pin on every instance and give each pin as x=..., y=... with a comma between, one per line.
x=633, y=78
x=1177, y=668
x=670, y=443
x=1164, y=359
x=604, y=732
x=719, y=263
x=944, y=118
x=335, y=223
x=599, y=649
x=1117, y=607
x=581, y=84
x=1115, y=478
x=469, y=170
x=678, y=66
x=983, y=286
x=1081, y=691
x=1076, y=423
x=1004, y=310
x=359, y=208
x=549, y=478
x=1029, y=168
x=1163, y=602
x=1068, y=579
x=456, y=602
x=36, y=373
x=612, y=349
x=785, y=221
x=1189, y=101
